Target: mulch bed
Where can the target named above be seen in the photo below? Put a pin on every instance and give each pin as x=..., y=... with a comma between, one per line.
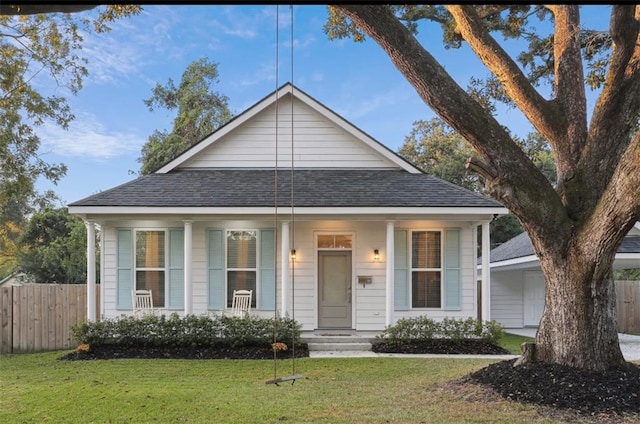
x=221, y=352
x=606, y=395
x=441, y=346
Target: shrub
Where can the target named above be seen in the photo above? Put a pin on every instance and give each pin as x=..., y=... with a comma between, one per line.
x=425, y=328
x=194, y=331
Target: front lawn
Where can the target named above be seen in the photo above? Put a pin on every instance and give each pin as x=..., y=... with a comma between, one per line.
x=39, y=388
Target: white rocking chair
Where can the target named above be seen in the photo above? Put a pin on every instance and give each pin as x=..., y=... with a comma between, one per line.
x=241, y=305
x=142, y=302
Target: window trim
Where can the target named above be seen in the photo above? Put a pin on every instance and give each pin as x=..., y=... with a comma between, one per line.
x=165, y=269
x=411, y=269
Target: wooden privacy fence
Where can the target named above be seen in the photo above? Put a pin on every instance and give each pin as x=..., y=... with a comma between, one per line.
x=628, y=305
x=39, y=317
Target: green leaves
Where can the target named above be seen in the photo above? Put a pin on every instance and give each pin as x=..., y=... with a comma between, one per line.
x=438, y=150
x=193, y=331
x=39, y=52
x=53, y=248
x=425, y=328
x=200, y=111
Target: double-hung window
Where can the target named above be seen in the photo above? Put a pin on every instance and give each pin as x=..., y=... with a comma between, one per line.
x=241, y=263
x=426, y=269
x=150, y=264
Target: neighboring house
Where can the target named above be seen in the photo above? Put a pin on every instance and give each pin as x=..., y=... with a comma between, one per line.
x=517, y=283
x=374, y=238
x=16, y=279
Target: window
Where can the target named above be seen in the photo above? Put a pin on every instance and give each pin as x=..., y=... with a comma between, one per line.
x=334, y=241
x=241, y=263
x=150, y=264
x=426, y=269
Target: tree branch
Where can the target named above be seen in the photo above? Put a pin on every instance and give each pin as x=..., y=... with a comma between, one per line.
x=615, y=115
x=516, y=182
x=515, y=83
x=619, y=207
x=569, y=89
x=33, y=9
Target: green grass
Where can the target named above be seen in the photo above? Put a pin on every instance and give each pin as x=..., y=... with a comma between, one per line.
x=37, y=388
x=513, y=343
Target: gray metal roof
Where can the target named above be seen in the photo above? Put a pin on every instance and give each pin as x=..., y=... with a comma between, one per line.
x=520, y=246
x=312, y=188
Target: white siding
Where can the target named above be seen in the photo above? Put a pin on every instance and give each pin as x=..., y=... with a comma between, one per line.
x=368, y=302
x=319, y=143
x=507, y=298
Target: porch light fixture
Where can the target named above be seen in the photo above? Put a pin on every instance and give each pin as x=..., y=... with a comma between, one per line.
x=293, y=254
x=376, y=255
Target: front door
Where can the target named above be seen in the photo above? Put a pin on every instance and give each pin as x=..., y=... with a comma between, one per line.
x=334, y=289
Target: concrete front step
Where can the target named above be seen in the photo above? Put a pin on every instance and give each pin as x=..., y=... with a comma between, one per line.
x=338, y=341
x=339, y=347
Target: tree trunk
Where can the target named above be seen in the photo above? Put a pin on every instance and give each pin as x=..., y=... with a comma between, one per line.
x=578, y=325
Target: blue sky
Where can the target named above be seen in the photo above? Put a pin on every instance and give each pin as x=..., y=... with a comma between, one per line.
x=356, y=80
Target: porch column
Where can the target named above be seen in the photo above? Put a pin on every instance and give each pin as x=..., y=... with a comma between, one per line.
x=486, y=275
x=284, y=268
x=188, y=283
x=91, y=271
x=390, y=255
x=476, y=276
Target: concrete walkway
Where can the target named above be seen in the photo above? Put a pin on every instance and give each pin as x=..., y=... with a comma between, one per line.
x=629, y=344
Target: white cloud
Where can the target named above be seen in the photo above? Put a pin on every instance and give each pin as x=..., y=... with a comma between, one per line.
x=381, y=101
x=87, y=138
x=132, y=44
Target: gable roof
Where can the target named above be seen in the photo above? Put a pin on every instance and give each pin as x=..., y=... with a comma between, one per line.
x=288, y=92
x=201, y=182
x=216, y=188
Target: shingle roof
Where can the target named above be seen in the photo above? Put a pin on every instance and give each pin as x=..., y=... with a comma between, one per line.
x=312, y=188
x=520, y=246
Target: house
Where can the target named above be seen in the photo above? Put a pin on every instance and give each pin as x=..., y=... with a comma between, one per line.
x=517, y=283
x=16, y=279
x=320, y=220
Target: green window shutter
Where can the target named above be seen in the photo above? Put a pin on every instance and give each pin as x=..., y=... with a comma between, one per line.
x=124, y=268
x=216, y=297
x=452, y=271
x=176, y=269
x=401, y=272
x=267, y=280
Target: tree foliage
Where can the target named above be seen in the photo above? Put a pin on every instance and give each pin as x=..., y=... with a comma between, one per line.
x=53, y=248
x=36, y=51
x=199, y=112
x=577, y=223
x=439, y=150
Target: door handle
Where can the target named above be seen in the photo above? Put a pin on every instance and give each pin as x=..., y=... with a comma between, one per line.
x=349, y=294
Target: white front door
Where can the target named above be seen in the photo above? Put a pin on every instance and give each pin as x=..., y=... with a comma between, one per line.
x=533, y=297
x=334, y=289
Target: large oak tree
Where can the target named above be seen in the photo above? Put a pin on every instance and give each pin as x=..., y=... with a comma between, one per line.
x=576, y=224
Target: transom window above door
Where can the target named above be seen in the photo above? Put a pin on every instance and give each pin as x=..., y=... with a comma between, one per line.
x=334, y=241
